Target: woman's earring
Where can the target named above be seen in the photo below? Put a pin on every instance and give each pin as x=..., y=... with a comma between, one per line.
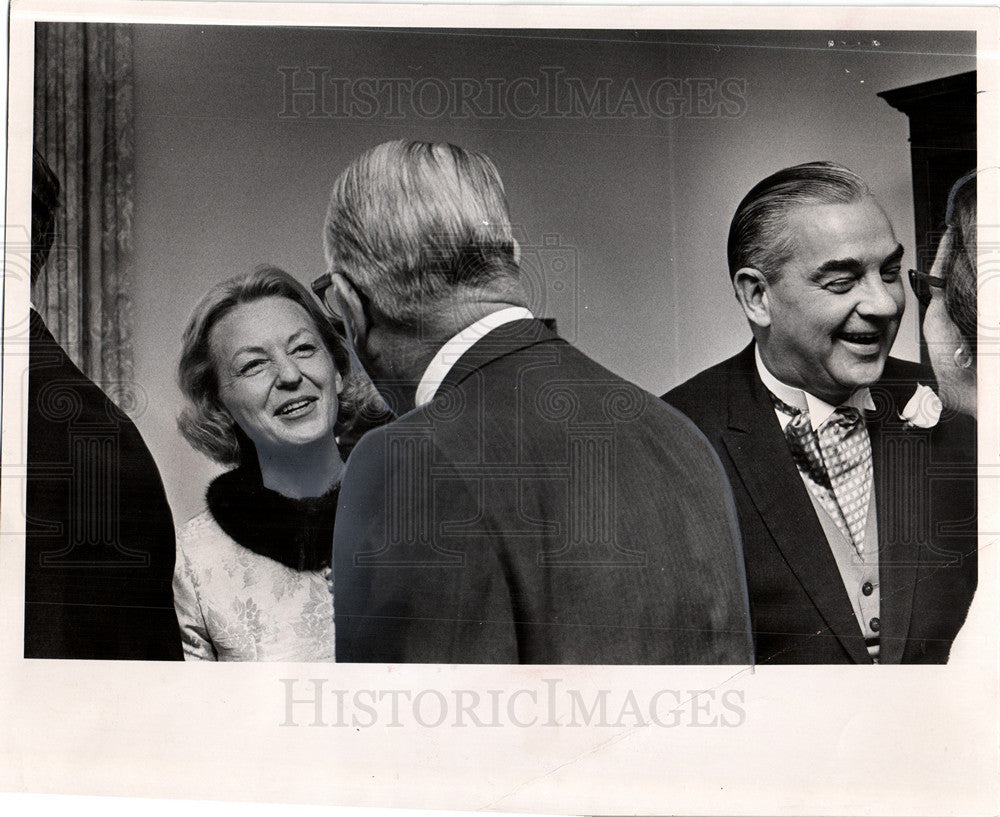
x=962, y=357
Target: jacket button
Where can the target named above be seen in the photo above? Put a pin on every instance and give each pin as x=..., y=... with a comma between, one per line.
x=874, y=624
x=867, y=588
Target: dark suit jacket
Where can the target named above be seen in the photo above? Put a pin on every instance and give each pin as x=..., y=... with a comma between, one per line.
x=925, y=493
x=100, y=538
x=539, y=510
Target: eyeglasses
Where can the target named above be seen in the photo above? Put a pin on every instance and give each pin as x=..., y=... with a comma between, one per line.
x=321, y=285
x=921, y=283
x=319, y=288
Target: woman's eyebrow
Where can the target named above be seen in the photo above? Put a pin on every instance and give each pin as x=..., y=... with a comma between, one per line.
x=305, y=330
x=257, y=350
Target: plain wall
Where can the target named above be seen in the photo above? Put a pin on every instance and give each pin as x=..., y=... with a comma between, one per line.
x=628, y=215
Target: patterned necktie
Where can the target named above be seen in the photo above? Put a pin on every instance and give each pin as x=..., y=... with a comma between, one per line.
x=838, y=461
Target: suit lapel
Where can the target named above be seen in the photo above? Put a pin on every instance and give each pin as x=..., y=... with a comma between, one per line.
x=760, y=454
x=899, y=465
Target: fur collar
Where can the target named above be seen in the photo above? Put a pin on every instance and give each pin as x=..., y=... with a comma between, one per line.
x=296, y=532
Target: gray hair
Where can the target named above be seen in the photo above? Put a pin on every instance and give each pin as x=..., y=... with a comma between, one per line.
x=960, y=290
x=758, y=235
x=409, y=222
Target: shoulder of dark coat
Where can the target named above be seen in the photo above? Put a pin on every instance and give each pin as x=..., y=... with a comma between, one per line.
x=705, y=397
x=906, y=371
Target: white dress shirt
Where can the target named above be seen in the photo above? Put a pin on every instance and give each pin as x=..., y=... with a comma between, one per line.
x=819, y=410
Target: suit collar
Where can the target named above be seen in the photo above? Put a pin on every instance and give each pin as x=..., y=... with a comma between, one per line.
x=895, y=388
x=454, y=348
x=749, y=404
x=818, y=409
x=505, y=340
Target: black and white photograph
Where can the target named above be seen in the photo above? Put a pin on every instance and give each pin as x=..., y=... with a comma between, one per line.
x=606, y=393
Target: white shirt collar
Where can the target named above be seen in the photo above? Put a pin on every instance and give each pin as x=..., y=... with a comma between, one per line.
x=448, y=355
x=819, y=410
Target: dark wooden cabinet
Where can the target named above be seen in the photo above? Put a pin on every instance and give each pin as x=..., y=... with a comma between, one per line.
x=942, y=116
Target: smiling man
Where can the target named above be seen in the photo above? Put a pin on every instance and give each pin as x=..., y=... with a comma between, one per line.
x=839, y=513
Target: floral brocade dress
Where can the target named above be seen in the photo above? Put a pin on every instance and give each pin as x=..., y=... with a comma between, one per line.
x=251, y=576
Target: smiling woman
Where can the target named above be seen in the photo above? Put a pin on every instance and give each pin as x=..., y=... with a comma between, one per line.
x=280, y=385
x=268, y=384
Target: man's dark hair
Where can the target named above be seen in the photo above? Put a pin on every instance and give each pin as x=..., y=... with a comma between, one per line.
x=758, y=235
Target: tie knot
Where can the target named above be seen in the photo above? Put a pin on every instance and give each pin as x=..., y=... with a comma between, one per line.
x=780, y=405
x=844, y=416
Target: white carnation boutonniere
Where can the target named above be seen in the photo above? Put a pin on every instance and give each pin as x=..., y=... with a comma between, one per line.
x=923, y=410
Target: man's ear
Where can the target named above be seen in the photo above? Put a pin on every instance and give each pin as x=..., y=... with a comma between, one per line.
x=350, y=308
x=753, y=293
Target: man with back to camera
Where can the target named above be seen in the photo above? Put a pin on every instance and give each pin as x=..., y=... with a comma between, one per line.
x=854, y=519
x=528, y=506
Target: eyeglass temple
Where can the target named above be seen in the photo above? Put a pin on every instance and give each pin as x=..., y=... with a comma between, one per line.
x=322, y=284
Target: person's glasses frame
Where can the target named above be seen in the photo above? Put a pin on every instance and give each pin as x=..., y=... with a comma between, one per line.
x=921, y=283
x=320, y=286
